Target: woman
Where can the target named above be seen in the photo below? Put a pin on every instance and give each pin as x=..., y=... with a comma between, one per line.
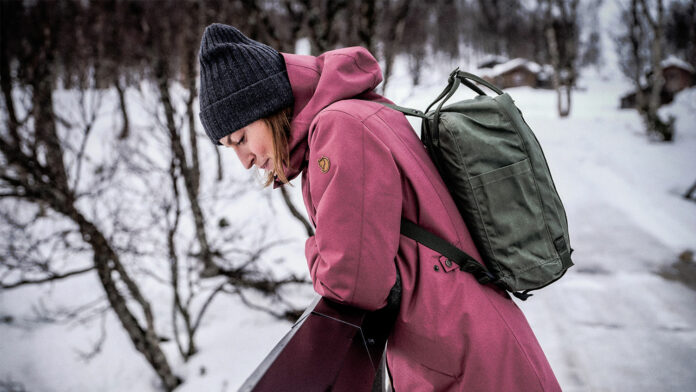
x=363, y=168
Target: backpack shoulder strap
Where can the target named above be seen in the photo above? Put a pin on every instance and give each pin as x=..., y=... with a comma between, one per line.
x=406, y=111
x=436, y=243
x=465, y=262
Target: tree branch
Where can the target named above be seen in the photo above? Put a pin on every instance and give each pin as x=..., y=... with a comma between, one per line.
x=293, y=210
x=205, y=306
x=646, y=12
x=51, y=277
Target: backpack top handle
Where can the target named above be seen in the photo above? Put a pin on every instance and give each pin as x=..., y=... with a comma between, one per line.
x=456, y=78
x=465, y=77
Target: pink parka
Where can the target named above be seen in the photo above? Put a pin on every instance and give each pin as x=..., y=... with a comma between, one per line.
x=363, y=167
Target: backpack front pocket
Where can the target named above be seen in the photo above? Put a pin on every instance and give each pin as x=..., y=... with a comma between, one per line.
x=511, y=212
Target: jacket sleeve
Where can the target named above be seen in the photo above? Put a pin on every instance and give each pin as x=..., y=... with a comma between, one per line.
x=357, y=199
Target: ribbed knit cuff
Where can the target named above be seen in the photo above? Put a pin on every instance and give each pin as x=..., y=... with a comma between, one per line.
x=245, y=106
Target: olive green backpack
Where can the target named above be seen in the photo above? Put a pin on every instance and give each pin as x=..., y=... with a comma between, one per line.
x=497, y=175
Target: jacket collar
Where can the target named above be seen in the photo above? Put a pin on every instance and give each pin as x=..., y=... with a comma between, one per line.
x=319, y=81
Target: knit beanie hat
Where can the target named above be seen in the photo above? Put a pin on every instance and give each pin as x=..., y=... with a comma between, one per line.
x=241, y=81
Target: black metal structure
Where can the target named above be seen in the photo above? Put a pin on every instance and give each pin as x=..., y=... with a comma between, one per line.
x=332, y=347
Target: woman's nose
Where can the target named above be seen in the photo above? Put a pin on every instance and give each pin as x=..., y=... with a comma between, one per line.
x=246, y=157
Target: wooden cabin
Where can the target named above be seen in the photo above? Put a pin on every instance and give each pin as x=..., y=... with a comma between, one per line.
x=678, y=74
x=514, y=73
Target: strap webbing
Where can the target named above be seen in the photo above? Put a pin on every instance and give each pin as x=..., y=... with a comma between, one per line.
x=465, y=75
x=439, y=245
x=407, y=111
x=564, y=251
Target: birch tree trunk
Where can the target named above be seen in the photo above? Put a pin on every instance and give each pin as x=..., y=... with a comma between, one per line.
x=555, y=63
x=636, y=34
x=563, y=66
x=655, y=124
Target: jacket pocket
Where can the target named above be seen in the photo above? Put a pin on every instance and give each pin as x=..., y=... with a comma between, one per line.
x=433, y=355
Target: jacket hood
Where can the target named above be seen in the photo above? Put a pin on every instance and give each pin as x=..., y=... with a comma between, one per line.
x=319, y=81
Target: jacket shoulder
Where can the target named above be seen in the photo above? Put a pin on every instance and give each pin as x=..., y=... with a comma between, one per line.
x=359, y=109
x=340, y=120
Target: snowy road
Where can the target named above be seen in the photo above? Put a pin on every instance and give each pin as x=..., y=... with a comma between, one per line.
x=612, y=324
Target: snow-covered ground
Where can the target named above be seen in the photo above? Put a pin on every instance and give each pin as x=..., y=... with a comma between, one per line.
x=613, y=323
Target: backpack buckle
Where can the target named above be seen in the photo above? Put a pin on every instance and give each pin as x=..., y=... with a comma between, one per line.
x=453, y=75
x=485, y=277
x=523, y=295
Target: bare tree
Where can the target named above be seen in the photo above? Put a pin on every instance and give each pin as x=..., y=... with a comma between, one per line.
x=680, y=30
x=296, y=213
x=447, y=28
x=367, y=23
x=182, y=304
x=642, y=54
x=416, y=44
x=498, y=23
x=393, y=34
x=561, y=33
x=492, y=17
x=321, y=27
x=35, y=172
x=656, y=21
x=49, y=178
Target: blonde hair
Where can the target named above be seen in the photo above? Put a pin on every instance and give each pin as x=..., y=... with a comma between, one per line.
x=279, y=123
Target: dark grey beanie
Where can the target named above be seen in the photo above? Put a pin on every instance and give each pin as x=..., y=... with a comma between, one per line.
x=241, y=81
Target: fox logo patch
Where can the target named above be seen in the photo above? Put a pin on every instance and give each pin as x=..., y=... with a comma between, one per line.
x=324, y=164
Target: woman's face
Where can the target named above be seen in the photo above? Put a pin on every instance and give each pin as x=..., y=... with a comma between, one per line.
x=253, y=145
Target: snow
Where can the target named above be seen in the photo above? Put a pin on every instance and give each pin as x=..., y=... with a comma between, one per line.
x=489, y=59
x=303, y=46
x=510, y=65
x=673, y=61
x=613, y=323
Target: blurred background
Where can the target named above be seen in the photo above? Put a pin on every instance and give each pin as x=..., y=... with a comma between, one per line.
x=134, y=255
